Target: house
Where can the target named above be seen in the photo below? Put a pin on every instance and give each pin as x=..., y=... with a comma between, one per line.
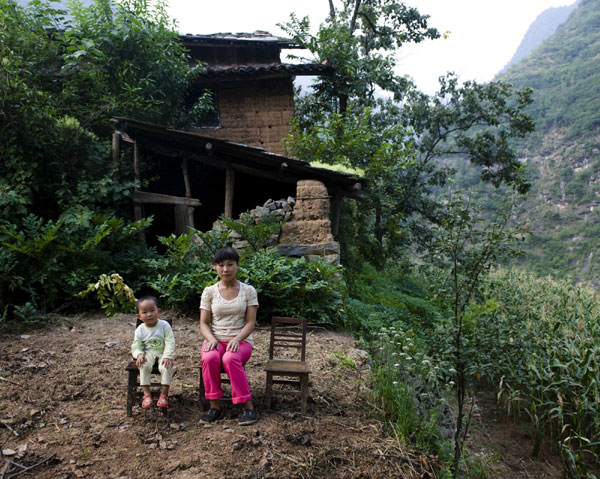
x=234, y=159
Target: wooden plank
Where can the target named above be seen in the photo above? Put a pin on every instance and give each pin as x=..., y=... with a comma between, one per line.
x=287, y=366
x=126, y=138
x=229, y=186
x=145, y=197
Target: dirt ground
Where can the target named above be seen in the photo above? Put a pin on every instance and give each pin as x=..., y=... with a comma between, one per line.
x=63, y=397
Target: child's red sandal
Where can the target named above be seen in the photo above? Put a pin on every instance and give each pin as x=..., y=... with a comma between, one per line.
x=163, y=401
x=147, y=401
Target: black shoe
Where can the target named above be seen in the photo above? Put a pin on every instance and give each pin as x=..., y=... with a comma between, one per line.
x=248, y=416
x=212, y=415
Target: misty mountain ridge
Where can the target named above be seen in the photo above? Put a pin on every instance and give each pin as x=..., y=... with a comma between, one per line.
x=563, y=155
x=542, y=28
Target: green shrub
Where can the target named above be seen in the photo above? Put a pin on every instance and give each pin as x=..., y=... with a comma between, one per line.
x=409, y=386
x=47, y=263
x=182, y=272
x=112, y=292
x=312, y=289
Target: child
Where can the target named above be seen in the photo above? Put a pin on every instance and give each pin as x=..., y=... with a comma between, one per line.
x=153, y=339
x=227, y=319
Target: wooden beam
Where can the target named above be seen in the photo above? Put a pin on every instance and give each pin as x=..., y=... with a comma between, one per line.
x=126, y=138
x=279, y=174
x=145, y=197
x=229, y=187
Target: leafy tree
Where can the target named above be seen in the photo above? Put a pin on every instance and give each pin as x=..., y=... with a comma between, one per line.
x=61, y=81
x=464, y=247
x=358, y=40
x=397, y=143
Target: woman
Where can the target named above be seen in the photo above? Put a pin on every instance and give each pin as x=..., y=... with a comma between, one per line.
x=227, y=319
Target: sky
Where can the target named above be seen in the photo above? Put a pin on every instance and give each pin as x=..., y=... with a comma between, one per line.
x=482, y=35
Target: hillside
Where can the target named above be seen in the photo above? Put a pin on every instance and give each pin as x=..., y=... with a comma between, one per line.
x=563, y=72
x=563, y=156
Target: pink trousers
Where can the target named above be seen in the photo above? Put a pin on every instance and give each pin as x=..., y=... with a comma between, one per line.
x=233, y=363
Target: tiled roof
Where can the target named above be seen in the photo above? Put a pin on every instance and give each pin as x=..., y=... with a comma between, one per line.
x=258, y=38
x=253, y=70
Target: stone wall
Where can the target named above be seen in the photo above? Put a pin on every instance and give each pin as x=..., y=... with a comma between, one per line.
x=255, y=114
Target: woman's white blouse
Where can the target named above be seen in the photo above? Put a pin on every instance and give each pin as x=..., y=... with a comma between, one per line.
x=228, y=316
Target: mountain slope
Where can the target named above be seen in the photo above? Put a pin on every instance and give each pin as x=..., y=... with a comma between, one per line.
x=563, y=156
x=543, y=27
x=564, y=72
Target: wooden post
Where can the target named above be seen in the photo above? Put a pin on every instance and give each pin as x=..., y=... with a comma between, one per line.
x=186, y=178
x=336, y=212
x=137, y=209
x=188, y=212
x=181, y=216
x=229, y=184
x=116, y=151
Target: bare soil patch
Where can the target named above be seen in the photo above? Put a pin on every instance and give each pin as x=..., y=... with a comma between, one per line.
x=63, y=396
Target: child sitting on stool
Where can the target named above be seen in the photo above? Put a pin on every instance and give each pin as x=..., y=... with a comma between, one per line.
x=153, y=340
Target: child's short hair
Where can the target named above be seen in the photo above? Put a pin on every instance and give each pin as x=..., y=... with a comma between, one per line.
x=146, y=298
x=226, y=253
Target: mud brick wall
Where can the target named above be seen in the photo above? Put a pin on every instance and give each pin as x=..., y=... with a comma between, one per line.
x=309, y=231
x=256, y=115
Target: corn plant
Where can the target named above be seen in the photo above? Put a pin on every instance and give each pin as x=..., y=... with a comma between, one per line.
x=551, y=374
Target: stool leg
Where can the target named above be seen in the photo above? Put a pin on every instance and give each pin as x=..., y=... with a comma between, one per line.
x=131, y=388
x=269, y=389
x=303, y=392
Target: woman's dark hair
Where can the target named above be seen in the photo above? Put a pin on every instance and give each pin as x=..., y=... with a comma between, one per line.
x=225, y=254
x=146, y=298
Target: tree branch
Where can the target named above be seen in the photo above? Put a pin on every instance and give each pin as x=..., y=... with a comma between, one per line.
x=331, y=11
x=370, y=22
x=354, y=15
